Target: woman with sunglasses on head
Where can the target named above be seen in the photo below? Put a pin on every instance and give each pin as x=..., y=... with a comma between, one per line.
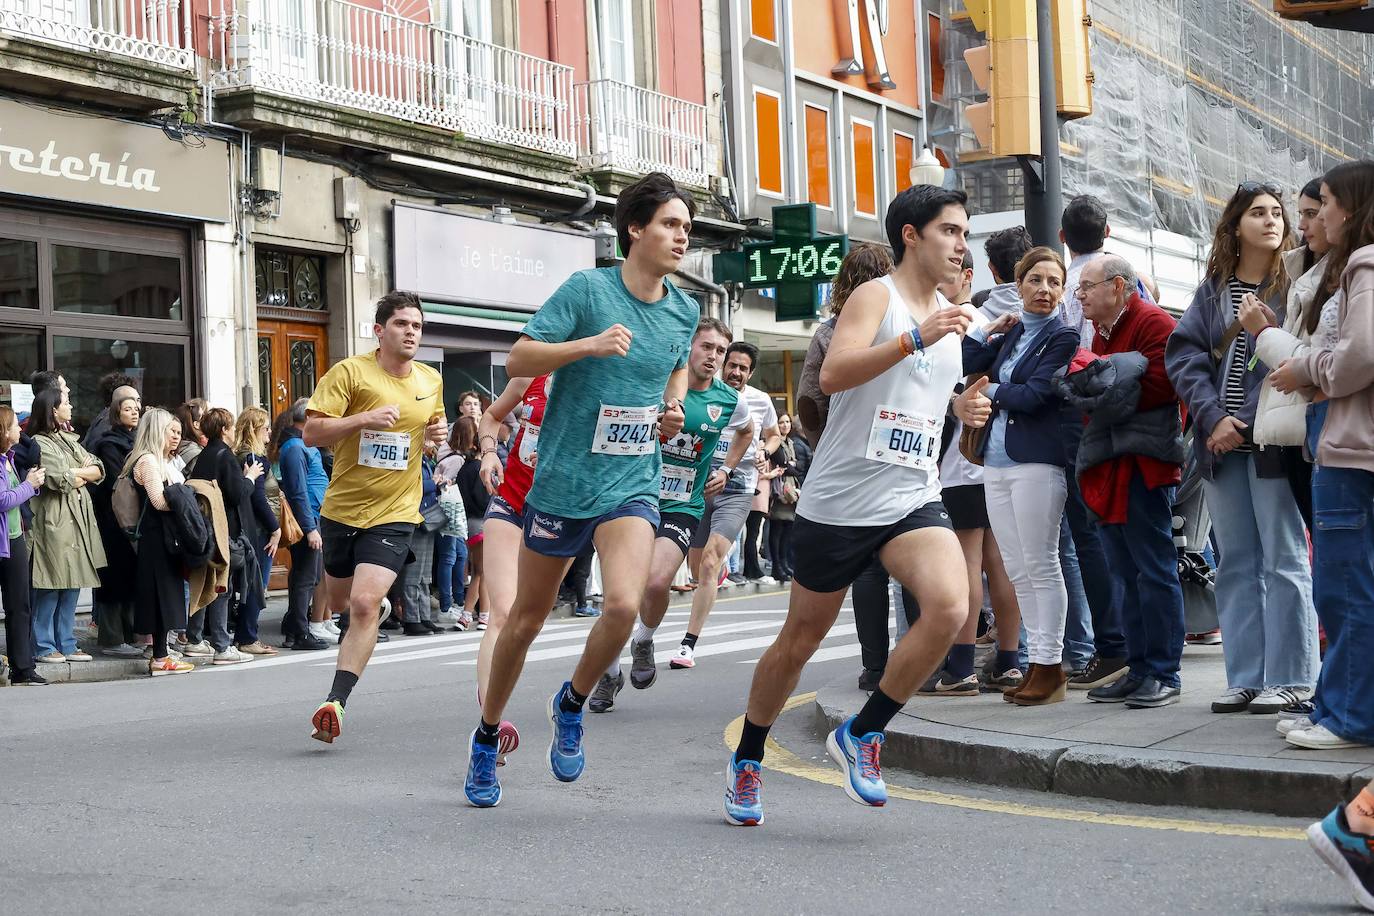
x=1269, y=631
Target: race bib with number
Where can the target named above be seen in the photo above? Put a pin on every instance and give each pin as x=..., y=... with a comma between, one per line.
x=625, y=431
x=904, y=439
x=529, y=444
x=383, y=450
x=676, y=483
x=723, y=447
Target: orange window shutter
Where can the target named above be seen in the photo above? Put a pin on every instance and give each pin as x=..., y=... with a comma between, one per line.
x=818, y=156
x=935, y=58
x=865, y=175
x=762, y=22
x=768, y=141
x=904, y=156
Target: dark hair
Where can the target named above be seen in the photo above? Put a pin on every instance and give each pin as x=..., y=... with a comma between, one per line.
x=463, y=439
x=112, y=380
x=285, y=420
x=863, y=263
x=43, y=414
x=393, y=302
x=1084, y=222
x=1313, y=189
x=1352, y=184
x=713, y=324
x=1039, y=255
x=214, y=422
x=748, y=349
x=967, y=262
x=917, y=206
x=44, y=379
x=469, y=394
x=637, y=204
x=1225, y=254
x=1004, y=249
x=189, y=414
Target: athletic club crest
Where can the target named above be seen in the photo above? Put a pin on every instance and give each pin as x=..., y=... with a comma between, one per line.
x=714, y=411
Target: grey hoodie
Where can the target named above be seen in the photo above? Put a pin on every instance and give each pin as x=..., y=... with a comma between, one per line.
x=1001, y=299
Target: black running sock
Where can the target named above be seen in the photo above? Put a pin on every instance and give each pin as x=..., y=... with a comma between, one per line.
x=959, y=664
x=875, y=715
x=751, y=742
x=571, y=700
x=486, y=734
x=344, y=682
x=690, y=640
x=1007, y=659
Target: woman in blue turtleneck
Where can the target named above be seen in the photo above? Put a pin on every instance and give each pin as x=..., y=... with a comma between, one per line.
x=1023, y=460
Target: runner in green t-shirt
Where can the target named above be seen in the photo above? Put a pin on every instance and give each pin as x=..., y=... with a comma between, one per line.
x=710, y=409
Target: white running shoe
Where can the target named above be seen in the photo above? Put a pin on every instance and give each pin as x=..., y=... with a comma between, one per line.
x=332, y=628
x=766, y=580
x=1284, y=726
x=1319, y=738
x=684, y=658
x=231, y=656
x=321, y=631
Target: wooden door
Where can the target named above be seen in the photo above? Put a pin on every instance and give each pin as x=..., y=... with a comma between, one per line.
x=292, y=355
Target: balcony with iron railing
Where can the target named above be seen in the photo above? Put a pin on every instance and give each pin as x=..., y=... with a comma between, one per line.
x=629, y=129
x=154, y=31
x=339, y=53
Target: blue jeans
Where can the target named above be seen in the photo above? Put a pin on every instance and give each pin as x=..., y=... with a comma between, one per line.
x=1343, y=585
x=1264, y=582
x=1078, y=625
x=1101, y=584
x=450, y=571
x=54, y=620
x=1142, y=551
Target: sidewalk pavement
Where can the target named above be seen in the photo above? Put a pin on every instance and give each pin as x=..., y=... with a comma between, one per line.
x=102, y=668
x=1177, y=755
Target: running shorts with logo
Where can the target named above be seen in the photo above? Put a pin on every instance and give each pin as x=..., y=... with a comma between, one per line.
x=678, y=527
x=828, y=558
x=346, y=547
x=498, y=508
x=559, y=536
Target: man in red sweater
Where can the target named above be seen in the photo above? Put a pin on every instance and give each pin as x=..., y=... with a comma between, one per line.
x=1132, y=493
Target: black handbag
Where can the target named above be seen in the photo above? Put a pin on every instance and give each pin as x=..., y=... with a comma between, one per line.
x=434, y=517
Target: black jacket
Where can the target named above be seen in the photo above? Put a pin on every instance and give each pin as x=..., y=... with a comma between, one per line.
x=469, y=483
x=263, y=516
x=112, y=447
x=185, y=531
x=218, y=463
x=1108, y=390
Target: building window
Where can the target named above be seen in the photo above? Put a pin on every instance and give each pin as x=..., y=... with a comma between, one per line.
x=818, y=156
x=865, y=173
x=18, y=274
x=615, y=21
x=122, y=284
x=763, y=22
x=292, y=281
x=935, y=60
x=768, y=141
x=903, y=158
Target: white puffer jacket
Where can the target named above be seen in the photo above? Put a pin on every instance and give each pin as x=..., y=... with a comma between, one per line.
x=1281, y=419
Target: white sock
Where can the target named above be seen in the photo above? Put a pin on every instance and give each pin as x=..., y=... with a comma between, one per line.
x=643, y=633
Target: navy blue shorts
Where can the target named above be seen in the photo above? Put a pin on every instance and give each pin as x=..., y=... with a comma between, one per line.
x=499, y=508
x=556, y=536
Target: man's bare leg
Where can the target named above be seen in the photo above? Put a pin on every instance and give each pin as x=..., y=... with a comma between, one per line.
x=536, y=590
x=810, y=615
x=667, y=558
x=625, y=547
x=363, y=593
x=708, y=581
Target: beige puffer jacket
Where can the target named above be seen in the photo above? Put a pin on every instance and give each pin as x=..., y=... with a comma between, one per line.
x=1281, y=419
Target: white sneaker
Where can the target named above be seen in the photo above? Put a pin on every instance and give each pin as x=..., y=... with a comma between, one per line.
x=123, y=650
x=1273, y=699
x=200, y=649
x=1319, y=738
x=447, y=619
x=385, y=610
x=766, y=580
x=332, y=628
x=231, y=656
x=320, y=631
x=685, y=658
x=1284, y=726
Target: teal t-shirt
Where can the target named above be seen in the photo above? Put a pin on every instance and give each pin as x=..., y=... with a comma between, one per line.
x=687, y=456
x=590, y=460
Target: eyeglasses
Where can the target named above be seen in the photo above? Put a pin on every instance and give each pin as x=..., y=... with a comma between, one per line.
x=1259, y=187
x=1087, y=287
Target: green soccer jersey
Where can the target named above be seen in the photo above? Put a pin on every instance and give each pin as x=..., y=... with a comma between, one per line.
x=710, y=414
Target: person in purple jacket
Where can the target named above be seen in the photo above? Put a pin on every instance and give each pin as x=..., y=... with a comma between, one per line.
x=14, y=554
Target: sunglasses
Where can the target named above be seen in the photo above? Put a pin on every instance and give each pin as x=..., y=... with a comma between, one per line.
x=1259, y=187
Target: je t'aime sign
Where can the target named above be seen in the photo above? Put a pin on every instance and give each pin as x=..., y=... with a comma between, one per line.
x=455, y=258
x=90, y=160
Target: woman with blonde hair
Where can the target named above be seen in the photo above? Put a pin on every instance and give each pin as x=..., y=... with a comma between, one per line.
x=252, y=432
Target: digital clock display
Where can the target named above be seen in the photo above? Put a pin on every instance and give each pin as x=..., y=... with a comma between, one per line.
x=813, y=261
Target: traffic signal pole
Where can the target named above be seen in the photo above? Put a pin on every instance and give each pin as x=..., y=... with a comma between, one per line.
x=1044, y=189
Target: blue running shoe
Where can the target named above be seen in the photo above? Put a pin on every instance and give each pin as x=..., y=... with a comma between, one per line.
x=743, y=793
x=1347, y=853
x=482, y=788
x=858, y=758
x=566, y=759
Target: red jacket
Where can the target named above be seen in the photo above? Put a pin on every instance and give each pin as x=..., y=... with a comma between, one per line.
x=1145, y=328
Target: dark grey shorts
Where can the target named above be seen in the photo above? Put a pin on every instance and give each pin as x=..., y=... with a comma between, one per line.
x=725, y=516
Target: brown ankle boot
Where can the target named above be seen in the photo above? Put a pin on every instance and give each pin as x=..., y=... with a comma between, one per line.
x=1009, y=695
x=1047, y=685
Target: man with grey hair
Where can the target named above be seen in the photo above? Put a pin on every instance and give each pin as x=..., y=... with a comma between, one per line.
x=1128, y=465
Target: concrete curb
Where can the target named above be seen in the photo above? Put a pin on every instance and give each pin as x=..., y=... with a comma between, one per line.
x=1291, y=788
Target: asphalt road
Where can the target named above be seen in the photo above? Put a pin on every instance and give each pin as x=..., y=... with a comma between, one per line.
x=204, y=793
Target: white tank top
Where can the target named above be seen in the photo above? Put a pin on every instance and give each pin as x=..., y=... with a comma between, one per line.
x=877, y=461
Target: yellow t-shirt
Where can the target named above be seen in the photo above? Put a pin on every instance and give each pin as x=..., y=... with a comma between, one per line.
x=377, y=473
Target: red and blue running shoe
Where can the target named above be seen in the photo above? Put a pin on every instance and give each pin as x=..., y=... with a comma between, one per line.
x=743, y=793
x=858, y=758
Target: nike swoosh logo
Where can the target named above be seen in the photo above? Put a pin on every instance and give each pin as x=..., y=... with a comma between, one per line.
x=388, y=543
x=423, y=397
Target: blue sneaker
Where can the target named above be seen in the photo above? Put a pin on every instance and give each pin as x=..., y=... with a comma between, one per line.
x=858, y=758
x=1348, y=854
x=566, y=759
x=482, y=788
x=743, y=793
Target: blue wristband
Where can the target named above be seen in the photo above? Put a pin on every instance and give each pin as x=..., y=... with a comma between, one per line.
x=916, y=339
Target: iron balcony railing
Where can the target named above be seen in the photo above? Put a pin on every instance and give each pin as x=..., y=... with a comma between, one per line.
x=157, y=31
x=638, y=130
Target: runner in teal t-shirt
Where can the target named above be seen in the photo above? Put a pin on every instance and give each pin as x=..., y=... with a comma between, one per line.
x=711, y=408
x=617, y=339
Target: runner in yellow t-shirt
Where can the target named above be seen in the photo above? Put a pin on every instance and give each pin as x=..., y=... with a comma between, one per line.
x=375, y=410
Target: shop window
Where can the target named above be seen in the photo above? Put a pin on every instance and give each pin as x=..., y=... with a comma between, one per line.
x=286, y=280
x=158, y=369
x=122, y=284
x=818, y=156
x=21, y=355
x=768, y=141
x=865, y=176
x=18, y=274
x=935, y=61
x=763, y=22
x=903, y=158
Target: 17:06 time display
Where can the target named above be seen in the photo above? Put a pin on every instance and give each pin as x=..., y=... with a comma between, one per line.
x=815, y=261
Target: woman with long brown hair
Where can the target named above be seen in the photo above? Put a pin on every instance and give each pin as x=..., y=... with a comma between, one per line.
x=252, y=434
x=1270, y=632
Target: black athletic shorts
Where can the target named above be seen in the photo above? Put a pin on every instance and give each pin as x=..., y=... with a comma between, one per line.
x=678, y=527
x=381, y=545
x=967, y=507
x=828, y=558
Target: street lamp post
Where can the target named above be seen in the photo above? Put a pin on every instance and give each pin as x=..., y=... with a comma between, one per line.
x=927, y=169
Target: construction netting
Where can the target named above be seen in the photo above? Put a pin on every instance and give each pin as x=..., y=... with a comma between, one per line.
x=1191, y=97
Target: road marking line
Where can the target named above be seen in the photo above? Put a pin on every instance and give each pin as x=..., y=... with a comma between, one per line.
x=784, y=761
x=828, y=654
x=661, y=656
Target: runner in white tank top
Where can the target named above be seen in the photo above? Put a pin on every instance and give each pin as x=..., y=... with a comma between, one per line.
x=874, y=488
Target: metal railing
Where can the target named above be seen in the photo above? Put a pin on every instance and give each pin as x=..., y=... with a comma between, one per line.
x=340, y=53
x=638, y=130
x=158, y=31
